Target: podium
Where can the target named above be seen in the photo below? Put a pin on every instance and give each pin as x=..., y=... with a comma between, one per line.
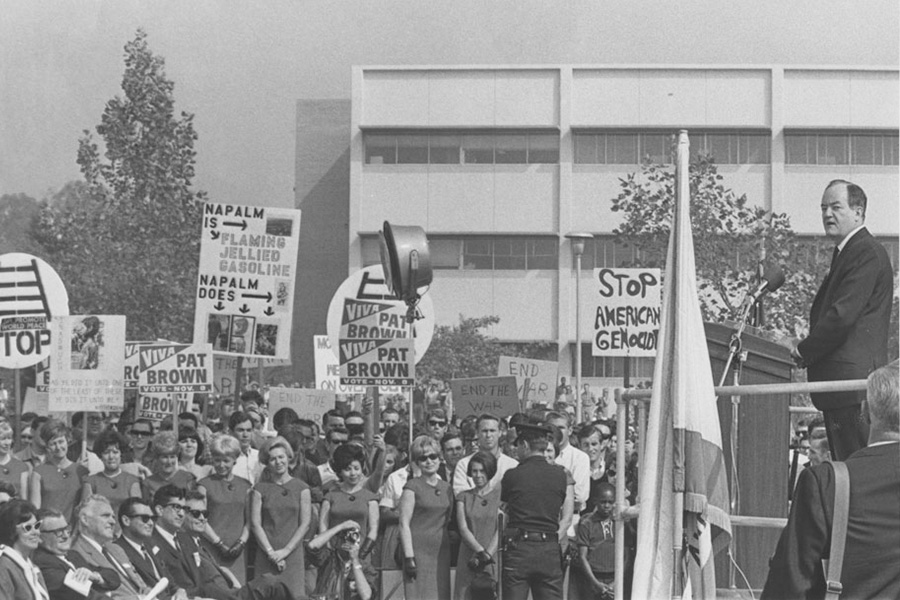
x=761, y=456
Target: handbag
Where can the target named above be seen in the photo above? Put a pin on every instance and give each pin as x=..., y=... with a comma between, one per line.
x=833, y=565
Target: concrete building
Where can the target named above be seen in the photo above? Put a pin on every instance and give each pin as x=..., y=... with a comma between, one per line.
x=498, y=163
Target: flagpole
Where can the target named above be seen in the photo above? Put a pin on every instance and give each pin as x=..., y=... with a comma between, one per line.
x=621, y=503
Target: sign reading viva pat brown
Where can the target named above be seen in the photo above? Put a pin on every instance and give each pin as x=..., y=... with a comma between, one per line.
x=88, y=363
x=498, y=396
x=627, y=312
x=368, y=330
x=166, y=368
x=245, y=287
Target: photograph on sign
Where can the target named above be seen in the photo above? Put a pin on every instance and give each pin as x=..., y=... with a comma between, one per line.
x=377, y=362
x=307, y=403
x=31, y=296
x=497, y=396
x=363, y=308
x=245, y=285
x=88, y=363
x=538, y=375
x=627, y=305
x=169, y=368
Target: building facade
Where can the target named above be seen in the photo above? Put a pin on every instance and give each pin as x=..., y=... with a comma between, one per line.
x=498, y=164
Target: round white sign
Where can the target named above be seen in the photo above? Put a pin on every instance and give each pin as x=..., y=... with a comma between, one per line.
x=366, y=309
x=31, y=293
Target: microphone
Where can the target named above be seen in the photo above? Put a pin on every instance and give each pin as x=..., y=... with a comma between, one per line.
x=773, y=279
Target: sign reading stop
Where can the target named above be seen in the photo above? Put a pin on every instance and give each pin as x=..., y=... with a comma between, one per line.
x=31, y=293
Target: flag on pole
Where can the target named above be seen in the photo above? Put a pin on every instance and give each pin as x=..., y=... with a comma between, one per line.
x=683, y=489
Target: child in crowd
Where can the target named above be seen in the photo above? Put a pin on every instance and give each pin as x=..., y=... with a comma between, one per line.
x=595, y=536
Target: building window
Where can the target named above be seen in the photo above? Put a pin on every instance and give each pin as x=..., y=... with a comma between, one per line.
x=480, y=252
x=640, y=367
x=807, y=148
x=815, y=251
x=625, y=148
x=452, y=149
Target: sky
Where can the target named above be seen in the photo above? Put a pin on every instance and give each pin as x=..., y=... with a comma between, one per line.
x=240, y=67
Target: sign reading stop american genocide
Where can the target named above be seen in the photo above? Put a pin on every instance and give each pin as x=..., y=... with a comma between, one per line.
x=166, y=368
x=31, y=295
x=627, y=312
x=245, y=285
x=88, y=363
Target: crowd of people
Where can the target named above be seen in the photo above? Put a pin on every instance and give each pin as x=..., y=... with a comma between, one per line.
x=253, y=506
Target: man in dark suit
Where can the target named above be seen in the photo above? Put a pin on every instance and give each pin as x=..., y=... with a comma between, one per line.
x=60, y=567
x=188, y=563
x=872, y=553
x=850, y=317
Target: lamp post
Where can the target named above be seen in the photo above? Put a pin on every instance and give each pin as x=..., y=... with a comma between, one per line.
x=578, y=240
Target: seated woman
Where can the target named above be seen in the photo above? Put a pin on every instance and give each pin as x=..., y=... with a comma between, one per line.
x=20, y=535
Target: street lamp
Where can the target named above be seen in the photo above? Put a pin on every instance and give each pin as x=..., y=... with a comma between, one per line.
x=578, y=240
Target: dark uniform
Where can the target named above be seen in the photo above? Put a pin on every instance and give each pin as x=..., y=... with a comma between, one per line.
x=534, y=493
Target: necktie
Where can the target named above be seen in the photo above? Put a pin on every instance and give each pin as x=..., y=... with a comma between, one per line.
x=150, y=560
x=834, y=256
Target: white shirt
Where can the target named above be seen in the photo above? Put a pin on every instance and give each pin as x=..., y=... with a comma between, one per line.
x=578, y=464
x=462, y=482
x=393, y=486
x=247, y=466
x=847, y=237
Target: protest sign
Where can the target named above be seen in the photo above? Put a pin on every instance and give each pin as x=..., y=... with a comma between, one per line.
x=497, y=396
x=36, y=402
x=540, y=375
x=132, y=363
x=307, y=403
x=377, y=362
x=627, y=312
x=31, y=295
x=328, y=369
x=88, y=363
x=42, y=376
x=225, y=370
x=168, y=368
x=158, y=406
x=245, y=284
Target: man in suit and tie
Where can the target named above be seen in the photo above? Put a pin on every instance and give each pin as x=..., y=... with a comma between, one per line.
x=850, y=316
x=61, y=568
x=136, y=519
x=96, y=525
x=872, y=551
x=188, y=563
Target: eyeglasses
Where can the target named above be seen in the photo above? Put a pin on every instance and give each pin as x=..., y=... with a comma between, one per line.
x=141, y=433
x=61, y=532
x=437, y=423
x=29, y=527
x=176, y=506
x=145, y=518
x=429, y=457
x=199, y=514
x=27, y=437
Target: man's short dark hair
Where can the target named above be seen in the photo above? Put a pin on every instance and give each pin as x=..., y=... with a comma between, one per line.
x=449, y=437
x=238, y=417
x=486, y=417
x=339, y=430
x=284, y=416
x=167, y=493
x=189, y=416
x=856, y=197
x=127, y=507
x=390, y=410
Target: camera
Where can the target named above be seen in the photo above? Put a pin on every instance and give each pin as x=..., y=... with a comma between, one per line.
x=350, y=536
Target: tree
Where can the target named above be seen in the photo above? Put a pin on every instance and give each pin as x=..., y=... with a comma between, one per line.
x=16, y=214
x=126, y=240
x=462, y=350
x=731, y=238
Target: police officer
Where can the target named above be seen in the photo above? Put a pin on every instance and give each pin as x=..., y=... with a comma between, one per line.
x=538, y=512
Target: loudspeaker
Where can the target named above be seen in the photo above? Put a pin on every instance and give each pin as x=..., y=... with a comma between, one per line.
x=406, y=260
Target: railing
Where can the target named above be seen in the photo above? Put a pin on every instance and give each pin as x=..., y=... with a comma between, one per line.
x=624, y=397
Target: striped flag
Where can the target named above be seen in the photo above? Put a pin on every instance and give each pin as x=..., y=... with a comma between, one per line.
x=683, y=490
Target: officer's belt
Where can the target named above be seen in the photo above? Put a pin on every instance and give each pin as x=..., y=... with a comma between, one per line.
x=535, y=536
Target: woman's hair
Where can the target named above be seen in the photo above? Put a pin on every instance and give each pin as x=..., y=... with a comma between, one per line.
x=107, y=438
x=13, y=513
x=346, y=454
x=488, y=462
x=5, y=430
x=53, y=429
x=164, y=443
x=225, y=444
x=191, y=434
x=422, y=445
x=275, y=442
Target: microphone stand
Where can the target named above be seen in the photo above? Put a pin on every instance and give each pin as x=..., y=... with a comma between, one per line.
x=737, y=357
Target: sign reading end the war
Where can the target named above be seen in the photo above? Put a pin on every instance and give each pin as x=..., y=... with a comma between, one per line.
x=245, y=286
x=498, y=396
x=31, y=294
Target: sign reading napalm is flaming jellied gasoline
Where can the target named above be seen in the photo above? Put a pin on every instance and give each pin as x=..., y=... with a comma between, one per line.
x=245, y=287
x=627, y=312
x=367, y=327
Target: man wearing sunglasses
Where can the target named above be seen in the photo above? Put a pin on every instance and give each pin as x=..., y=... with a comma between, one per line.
x=96, y=524
x=60, y=566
